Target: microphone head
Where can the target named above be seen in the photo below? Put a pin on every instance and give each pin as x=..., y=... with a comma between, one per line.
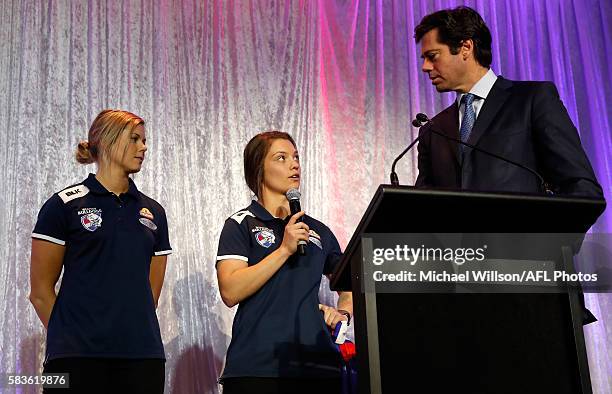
x=422, y=117
x=293, y=194
x=416, y=123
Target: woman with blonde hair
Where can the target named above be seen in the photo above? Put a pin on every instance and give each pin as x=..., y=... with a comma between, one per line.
x=112, y=242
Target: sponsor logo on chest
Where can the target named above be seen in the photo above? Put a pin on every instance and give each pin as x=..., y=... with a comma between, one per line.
x=91, y=218
x=148, y=223
x=147, y=219
x=144, y=212
x=264, y=236
x=315, y=238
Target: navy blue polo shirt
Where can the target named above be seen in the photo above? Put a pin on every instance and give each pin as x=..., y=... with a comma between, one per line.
x=105, y=306
x=279, y=331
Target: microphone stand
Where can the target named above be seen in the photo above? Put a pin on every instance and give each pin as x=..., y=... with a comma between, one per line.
x=422, y=119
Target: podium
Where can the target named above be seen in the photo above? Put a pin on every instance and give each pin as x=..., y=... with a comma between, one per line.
x=467, y=342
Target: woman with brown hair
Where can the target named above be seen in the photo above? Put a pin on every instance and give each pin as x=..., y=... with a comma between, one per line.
x=112, y=242
x=280, y=336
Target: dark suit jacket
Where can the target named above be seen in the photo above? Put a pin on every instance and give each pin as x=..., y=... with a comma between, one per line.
x=523, y=121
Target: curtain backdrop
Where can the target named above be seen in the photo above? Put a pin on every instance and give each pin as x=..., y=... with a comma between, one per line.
x=343, y=77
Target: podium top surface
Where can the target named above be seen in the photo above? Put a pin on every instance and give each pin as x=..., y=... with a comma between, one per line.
x=406, y=209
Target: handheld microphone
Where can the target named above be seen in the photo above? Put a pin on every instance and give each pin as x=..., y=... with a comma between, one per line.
x=293, y=195
x=422, y=119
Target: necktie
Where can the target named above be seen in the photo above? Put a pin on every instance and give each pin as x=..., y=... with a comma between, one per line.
x=469, y=117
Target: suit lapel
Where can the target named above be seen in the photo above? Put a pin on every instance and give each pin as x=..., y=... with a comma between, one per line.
x=447, y=122
x=495, y=100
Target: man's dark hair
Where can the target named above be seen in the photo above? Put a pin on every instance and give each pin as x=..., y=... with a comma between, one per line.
x=455, y=26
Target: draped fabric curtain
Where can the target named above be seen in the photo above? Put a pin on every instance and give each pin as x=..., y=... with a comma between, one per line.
x=343, y=77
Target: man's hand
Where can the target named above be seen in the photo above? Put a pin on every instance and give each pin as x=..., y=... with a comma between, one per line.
x=331, y=316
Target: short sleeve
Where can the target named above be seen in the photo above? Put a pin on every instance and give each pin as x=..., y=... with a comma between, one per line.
x=334, y=254
x=51, y=224
x=162, y=240
x=233, y=242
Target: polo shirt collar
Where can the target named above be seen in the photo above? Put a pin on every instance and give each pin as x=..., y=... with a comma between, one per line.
x=96, y=187
x=258, y=210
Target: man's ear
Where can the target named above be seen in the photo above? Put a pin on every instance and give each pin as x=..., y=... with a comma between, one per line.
x=467, y=48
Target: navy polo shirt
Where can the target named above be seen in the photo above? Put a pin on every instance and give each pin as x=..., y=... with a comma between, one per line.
x=105, y=306
x=279, y=331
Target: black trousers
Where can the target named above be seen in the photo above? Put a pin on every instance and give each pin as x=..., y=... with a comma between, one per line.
x=248, y=385
x=109, y=375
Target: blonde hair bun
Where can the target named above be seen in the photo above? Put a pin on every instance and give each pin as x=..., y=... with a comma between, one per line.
x=83, y=154
x=104, y=133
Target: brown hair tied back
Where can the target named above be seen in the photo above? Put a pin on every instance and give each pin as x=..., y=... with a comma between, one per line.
x=254, y=155
x=83, y=155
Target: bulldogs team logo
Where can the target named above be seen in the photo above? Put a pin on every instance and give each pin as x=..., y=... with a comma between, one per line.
x=265, y=238
x=91, y=218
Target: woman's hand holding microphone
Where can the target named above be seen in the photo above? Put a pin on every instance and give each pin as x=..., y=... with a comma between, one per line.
x=294, y=232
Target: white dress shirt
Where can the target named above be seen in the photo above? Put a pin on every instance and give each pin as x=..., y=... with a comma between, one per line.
x=481, y=90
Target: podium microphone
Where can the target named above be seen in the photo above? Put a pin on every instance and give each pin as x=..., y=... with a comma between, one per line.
x=422, y=119
x=293, y=195
x=418, y=122
x=393, y=175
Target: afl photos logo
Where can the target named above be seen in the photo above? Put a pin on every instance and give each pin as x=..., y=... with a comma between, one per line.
x=91, y=218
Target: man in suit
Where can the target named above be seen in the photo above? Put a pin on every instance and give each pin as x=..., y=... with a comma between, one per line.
x=522, y=121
